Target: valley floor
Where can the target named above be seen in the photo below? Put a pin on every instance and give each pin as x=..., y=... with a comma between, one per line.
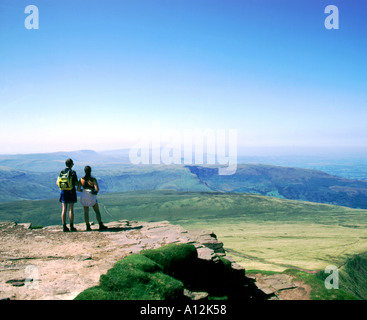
x=277, y=246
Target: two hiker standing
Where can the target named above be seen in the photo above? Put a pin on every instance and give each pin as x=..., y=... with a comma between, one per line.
x=67, y=181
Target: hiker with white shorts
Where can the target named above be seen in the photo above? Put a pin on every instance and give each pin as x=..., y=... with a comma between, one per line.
x=88, y=197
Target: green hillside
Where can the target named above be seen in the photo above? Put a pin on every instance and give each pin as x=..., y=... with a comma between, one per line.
x=288, y=183
x=24, y=185
x=191, y=207
x=353, y=276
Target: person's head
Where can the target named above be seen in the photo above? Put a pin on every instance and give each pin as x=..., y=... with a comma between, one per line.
x=69, y=163
x=88, y=171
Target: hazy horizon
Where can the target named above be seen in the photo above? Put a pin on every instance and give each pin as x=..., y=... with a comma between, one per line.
x=243, y=152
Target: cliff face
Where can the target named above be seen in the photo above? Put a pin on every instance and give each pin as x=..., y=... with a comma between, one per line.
x=46, y=263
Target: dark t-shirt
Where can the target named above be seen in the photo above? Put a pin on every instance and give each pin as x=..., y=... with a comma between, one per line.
x=86, y=184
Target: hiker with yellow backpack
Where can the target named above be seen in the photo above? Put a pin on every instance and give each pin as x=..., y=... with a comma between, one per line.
x=67, y=181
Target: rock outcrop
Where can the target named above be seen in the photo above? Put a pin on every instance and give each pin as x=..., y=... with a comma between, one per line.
x=281, y=287
x=46, y=263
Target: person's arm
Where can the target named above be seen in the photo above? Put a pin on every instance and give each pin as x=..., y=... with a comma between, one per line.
x=79, y=186
x=75, y=177
x=96, y=187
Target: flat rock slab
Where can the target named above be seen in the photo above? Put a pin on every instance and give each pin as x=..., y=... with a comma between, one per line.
x=46, y=263
x=282, y=287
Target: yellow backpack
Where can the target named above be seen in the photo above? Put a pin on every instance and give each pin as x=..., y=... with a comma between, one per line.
x=65, y=180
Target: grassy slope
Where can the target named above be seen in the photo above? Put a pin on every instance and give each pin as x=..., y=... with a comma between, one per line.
x=353, y=276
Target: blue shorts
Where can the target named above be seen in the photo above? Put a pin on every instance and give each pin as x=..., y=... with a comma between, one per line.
x=68, y=196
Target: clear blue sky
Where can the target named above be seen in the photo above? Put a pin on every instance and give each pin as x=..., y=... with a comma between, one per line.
x=96, y=74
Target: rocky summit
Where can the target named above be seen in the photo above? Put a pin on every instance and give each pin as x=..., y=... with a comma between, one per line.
x=48, y=264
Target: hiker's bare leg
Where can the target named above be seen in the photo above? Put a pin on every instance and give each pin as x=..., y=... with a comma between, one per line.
x=86, y=215
x=98, y=213
x=63, y=212
x=71, y=213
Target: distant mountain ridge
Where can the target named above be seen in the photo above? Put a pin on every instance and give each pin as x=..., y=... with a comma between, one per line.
x=49, y=162
x=287, y=183
x=33, y=176
x=24, y=185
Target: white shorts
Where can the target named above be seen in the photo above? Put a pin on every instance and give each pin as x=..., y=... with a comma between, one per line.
x=87, y=199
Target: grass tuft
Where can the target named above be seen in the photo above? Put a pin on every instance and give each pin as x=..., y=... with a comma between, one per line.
x=135, y=278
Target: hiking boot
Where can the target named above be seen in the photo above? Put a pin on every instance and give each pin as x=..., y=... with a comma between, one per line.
x=65, y=228
x=102, y=227
x=88, y=228
x=72, y=229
